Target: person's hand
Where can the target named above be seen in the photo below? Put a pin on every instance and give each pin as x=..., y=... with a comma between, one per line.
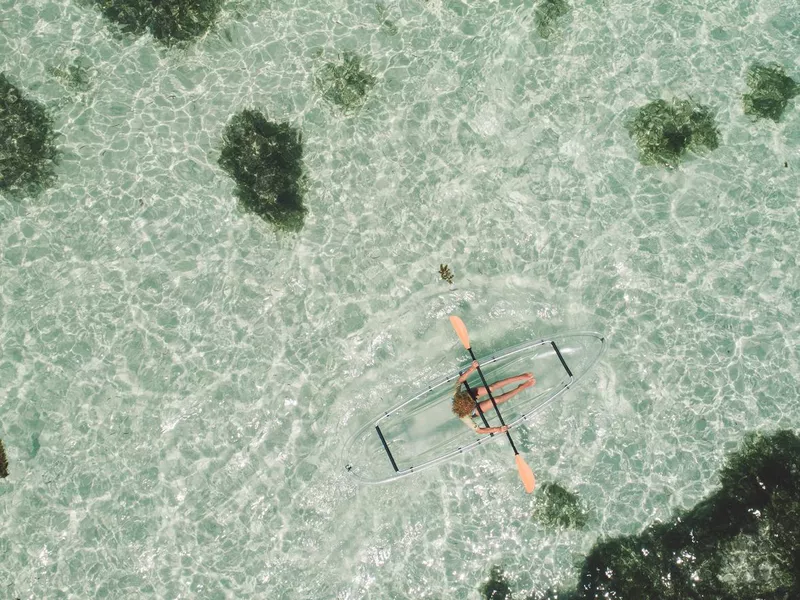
x=503, y=429
x=474, y=364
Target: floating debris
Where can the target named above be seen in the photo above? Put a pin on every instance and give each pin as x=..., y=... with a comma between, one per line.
x=446, y=274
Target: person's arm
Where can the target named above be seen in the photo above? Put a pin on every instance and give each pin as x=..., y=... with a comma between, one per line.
x=468, y=372
x=471, y=424
x=502, y=429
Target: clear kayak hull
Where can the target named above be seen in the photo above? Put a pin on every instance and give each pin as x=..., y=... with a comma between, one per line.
x=423, y=432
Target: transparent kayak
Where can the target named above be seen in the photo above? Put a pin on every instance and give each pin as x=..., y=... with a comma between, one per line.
x=423, y=431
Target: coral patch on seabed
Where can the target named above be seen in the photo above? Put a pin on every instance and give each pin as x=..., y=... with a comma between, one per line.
x=557, y=507
x=497, y=586
x=387, y=25
x=27, y=143
x=345, y=83
x=740, y=543
x=265, y=159
x=169, y=21
x=665, y=131
x=547, y=13
x=770, y=92
x=75, y=76
x=3, y=461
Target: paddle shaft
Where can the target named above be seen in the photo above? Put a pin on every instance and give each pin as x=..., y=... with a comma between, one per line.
x=489, y=391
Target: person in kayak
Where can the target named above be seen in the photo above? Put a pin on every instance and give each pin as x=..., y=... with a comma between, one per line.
x=465, y=406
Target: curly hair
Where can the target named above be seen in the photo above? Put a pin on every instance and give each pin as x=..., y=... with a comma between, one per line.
x=463, y=403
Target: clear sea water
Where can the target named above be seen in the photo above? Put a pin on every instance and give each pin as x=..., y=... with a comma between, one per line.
x=177, y=379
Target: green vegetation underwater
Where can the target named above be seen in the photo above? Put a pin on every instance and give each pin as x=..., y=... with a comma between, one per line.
x=739, y=542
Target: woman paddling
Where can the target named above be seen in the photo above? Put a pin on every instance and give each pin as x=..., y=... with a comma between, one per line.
x=465, y=406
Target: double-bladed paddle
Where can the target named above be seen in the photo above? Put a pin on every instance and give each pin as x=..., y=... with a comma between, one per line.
x=525, y=473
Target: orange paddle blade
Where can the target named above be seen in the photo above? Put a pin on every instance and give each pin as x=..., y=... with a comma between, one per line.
x=461, y=330
x=525, y=473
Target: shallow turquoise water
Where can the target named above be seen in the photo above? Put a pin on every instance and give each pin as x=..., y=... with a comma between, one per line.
x=178, y=380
